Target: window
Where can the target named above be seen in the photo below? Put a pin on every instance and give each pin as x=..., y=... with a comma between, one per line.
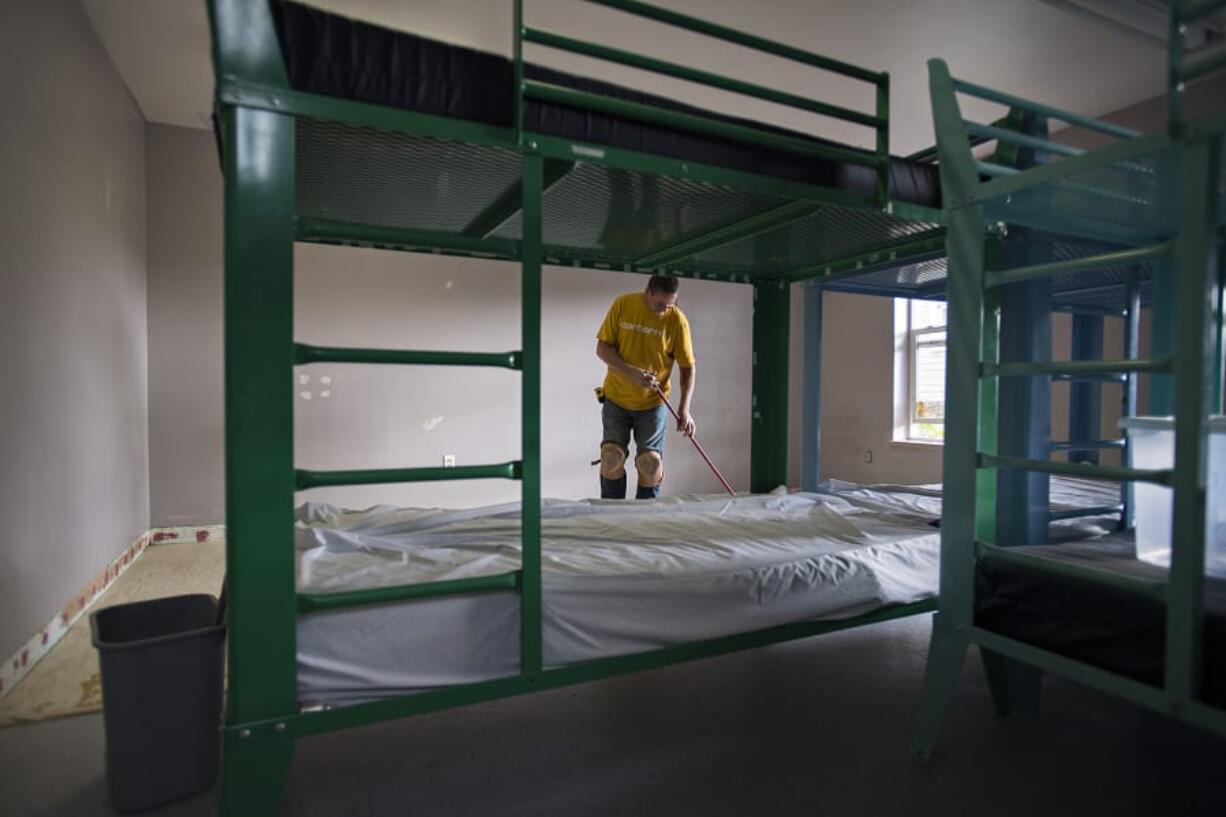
x=919, y=404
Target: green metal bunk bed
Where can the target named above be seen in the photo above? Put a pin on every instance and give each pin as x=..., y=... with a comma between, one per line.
x=1158, y=199
x=308, y=167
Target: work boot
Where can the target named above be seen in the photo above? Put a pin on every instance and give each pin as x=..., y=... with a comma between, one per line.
x=613, y=488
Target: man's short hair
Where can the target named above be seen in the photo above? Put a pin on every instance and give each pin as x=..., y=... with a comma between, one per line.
x=663, y=283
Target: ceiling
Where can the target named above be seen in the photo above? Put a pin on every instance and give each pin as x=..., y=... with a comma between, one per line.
x=1038, y=49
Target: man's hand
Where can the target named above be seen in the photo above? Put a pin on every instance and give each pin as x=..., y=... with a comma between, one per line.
x=686, y=424
x=645, y=378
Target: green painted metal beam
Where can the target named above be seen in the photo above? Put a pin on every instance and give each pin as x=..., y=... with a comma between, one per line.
x=768, y=430
x=350, y=112
x=305, y=354
x=992, y=132
x=1031, y=559
x=509, y=204
x=1112, y=259
x=259, y=438
x=245, y=44
x=553, y=40
x=1048, y=111
x=305, y=480
x=1161, y=476
x=1076, y=367
x=1194, y=714
x=733, y=35
x=1055, y=171
x=586, y=101
x=330, y=720
x=315, y=602
x=1195, y=265
x=839, y=269
x=531, y=649
x=1189, y=11
x=1196, y=66
x=640, y=162
x=322, y=230
x=735, y=231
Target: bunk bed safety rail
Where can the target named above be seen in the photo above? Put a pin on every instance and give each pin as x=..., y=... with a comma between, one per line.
x=1148, y=588
x=325, y=231
x=996, y=278
x=1160, y=476
x=878, y=159
x=1075, y=368
x=1183, y=68
x=305, y=354
x=305, y=479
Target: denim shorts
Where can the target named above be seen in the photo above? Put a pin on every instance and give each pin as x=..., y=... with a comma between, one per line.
x=648, y=426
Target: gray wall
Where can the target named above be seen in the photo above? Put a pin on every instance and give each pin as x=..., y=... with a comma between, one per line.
x=392, y=416
x=74, y=487
x=183, y=184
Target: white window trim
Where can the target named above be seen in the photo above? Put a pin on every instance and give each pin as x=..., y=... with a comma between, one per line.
x=904, y=376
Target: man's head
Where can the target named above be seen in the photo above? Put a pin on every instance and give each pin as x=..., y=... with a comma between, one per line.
x=661, y=293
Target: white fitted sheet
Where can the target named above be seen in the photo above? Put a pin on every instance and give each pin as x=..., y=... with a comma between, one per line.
x=617, y=578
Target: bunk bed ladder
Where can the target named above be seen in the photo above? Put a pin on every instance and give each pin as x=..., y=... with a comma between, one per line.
x=974, y=372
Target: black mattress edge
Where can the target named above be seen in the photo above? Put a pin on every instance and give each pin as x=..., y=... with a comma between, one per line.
x=332, y=55
x=1103, y=626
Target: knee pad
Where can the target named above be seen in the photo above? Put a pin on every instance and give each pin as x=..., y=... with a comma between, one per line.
x=650, y=466
x=612, y=461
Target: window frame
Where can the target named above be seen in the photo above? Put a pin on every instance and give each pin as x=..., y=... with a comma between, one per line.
x=908, y=339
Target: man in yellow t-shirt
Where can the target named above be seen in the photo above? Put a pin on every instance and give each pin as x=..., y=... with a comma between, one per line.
x=643, y=334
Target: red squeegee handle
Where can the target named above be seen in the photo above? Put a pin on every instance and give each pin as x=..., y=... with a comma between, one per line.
x=701, y=453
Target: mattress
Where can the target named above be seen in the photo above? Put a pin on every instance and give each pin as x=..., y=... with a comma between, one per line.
x=328, y=54
x=617, y=578
x=1109, y=628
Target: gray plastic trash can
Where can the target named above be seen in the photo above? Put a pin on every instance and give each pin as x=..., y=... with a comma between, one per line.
x=161, y=697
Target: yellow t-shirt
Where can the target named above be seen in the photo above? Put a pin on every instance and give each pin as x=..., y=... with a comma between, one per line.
x=645, y=340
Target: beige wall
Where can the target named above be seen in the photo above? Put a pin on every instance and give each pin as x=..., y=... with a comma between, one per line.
x=74, y=488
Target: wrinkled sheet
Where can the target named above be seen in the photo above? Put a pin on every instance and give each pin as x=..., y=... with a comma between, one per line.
x=617, y=577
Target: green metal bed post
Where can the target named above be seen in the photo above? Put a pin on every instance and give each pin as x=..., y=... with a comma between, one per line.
x=1195, y=348
x=259, y=350
x=811, y=434
x=258, y=164
x=768, y=440
x=1085, y=397
x=1132, y=351
x=963, y=392
x=883, y=139
x=530, y=265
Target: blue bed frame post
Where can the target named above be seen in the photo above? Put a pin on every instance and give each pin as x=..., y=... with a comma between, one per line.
x=1023, y=421
x=1085, y=397
x=1162, y=337
x=811, y=455
x=1132, y=351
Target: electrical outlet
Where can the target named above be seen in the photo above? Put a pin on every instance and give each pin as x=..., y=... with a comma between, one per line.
x=449, y=460
x=868, y=455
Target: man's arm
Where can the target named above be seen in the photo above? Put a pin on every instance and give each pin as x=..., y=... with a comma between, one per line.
x=607, y=352
x=686, y=425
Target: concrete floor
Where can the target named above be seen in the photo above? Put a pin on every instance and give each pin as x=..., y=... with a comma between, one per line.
x=819, y=727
